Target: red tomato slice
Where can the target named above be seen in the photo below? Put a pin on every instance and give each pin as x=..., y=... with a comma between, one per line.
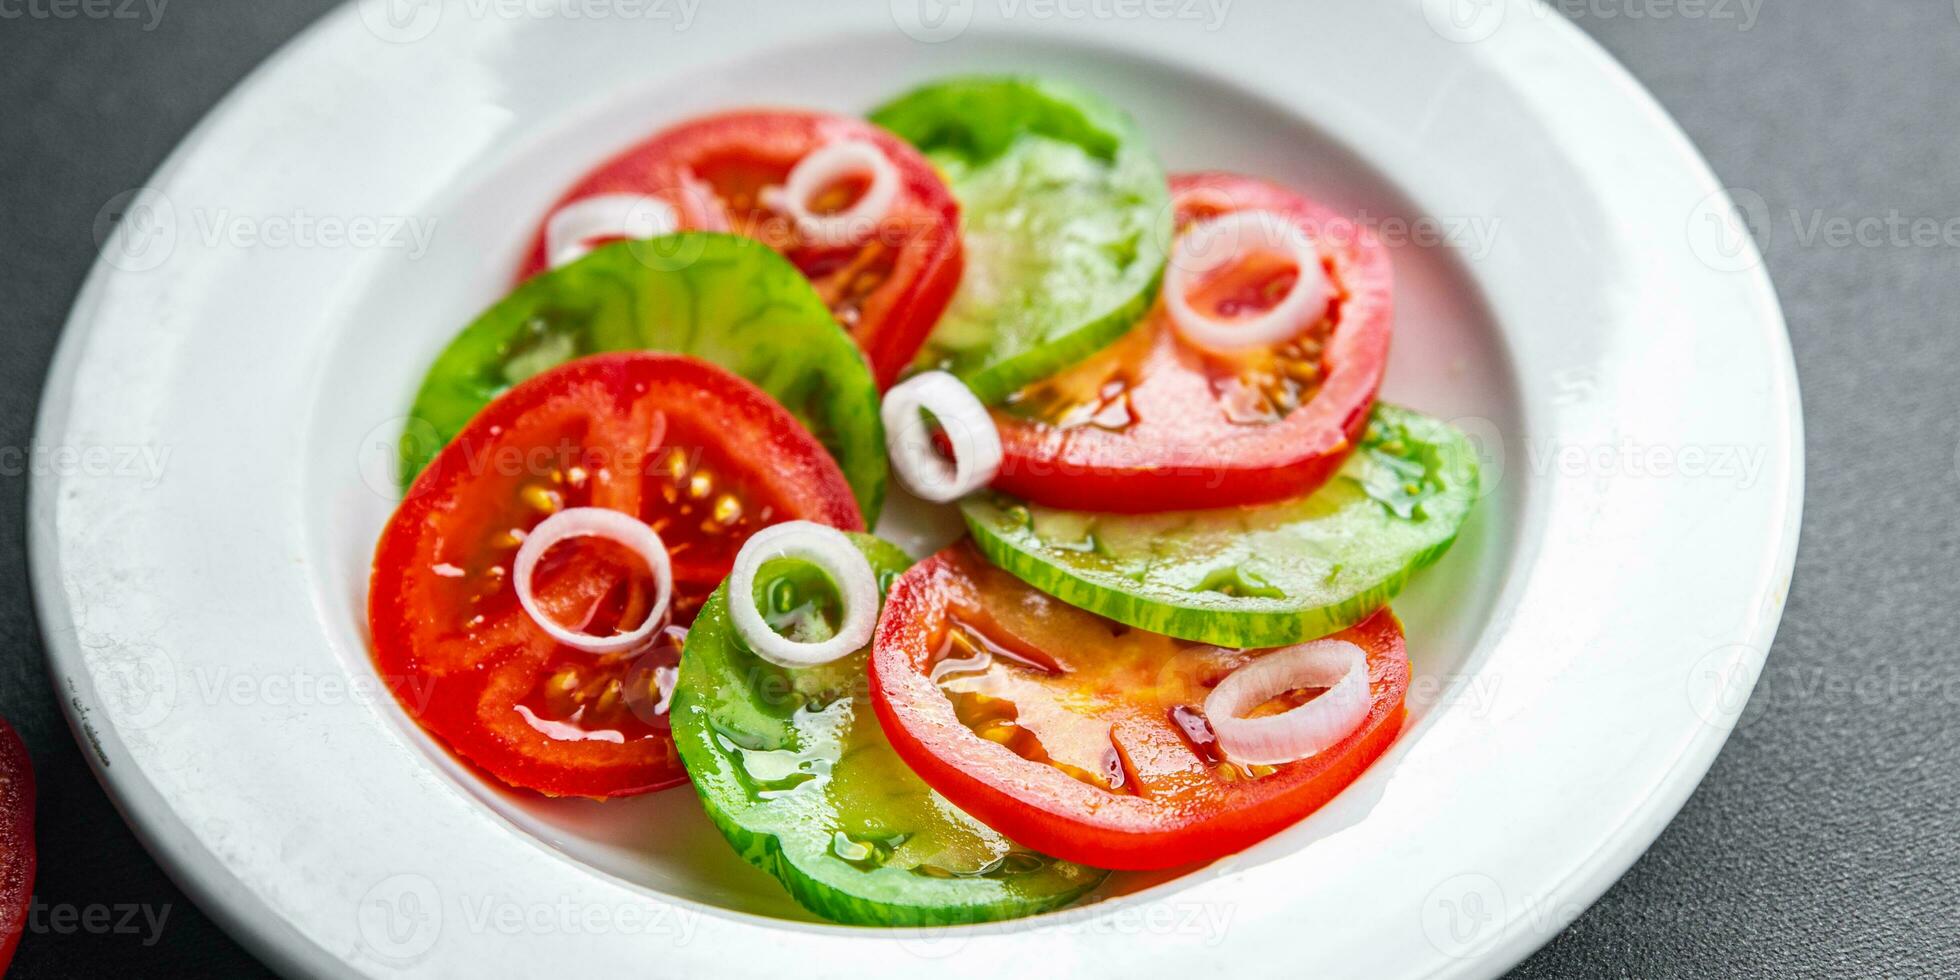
x=703, y=456
x=16, y=841
x=1153, y=424
x=887, y=290
x=1083, y=738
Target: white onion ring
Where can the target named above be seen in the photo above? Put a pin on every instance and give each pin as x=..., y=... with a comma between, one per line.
x=829, y=550
x=569, y=232
x=967, y=424
x=1212, y=245
x=595, y=522
x=1337, y=665
x=827, y=165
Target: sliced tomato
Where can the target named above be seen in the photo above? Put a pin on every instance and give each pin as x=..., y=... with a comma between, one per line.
x=887, y=289
x=1085, y=739
x=1153, y=424
x=701, y=455
x=16, y=841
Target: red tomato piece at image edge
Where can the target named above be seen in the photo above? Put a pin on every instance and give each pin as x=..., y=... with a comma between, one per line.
x=16, y=841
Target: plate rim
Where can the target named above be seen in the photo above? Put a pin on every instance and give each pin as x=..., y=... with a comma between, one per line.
x=203, y=875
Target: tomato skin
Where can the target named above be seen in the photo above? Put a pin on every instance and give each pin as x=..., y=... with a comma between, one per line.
x=1043, y=808
x=17, y=859
x=690, y=166
x=1184, y=454
x=464, y=679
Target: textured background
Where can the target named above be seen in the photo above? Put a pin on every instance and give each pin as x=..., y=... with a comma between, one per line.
x=1825, y=841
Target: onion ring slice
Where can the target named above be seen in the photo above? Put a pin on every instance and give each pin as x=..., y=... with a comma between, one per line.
x=595, y=522
x=571, y=230
x=968, y=426
x=1298, y=733
x=829, y=550
x=825, y=166
x=1213, y=245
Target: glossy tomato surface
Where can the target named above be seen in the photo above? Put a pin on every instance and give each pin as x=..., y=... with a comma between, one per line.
x=887, y=288
x=701, y=455
x=1085, y=739
x=1154, y=424
x=17, y=859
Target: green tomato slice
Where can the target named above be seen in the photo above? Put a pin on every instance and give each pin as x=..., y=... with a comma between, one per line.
x=794, y=769
x=722, y=298
x=1065, y=214
x=1253, y=576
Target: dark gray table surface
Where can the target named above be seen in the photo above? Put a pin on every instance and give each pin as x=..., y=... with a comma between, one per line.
x=1826, y=839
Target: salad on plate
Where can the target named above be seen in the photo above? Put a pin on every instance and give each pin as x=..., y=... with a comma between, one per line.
x=636, y=557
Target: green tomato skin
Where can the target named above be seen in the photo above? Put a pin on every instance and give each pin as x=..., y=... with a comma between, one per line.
x=1065, y=216
x=1251, y=577
x=785, y=760
x=722, y=298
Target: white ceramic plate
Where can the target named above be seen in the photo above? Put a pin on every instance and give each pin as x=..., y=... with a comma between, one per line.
x=266, y=307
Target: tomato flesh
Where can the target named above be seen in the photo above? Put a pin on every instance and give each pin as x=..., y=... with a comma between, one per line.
x=702, y=456
x=1153, y=424
x=17, y=858
x=887, y=289
x=1086, y=739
